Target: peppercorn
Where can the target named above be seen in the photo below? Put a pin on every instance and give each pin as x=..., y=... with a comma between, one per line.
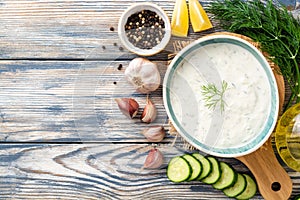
x=145, y=29
x=120, y=67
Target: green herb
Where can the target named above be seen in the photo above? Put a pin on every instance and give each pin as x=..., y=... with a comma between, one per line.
x=214, y=96
x=270, y=24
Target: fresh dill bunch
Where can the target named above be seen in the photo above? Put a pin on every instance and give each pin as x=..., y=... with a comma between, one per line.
x=214, y=96
x=273, y=27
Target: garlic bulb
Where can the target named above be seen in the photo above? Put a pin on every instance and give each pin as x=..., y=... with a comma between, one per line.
x=143, y=74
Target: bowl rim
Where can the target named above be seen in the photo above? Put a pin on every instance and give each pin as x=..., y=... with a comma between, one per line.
x=273, y=113
x=139, y=7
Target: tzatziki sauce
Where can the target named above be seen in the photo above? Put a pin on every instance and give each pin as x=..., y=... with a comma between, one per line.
x=246, y=98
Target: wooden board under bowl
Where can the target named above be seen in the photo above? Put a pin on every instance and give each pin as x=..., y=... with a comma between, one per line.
x=262, y=163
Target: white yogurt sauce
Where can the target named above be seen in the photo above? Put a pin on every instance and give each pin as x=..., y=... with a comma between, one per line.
x=247, y=97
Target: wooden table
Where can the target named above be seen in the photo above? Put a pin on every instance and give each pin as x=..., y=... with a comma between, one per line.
x=61, y=133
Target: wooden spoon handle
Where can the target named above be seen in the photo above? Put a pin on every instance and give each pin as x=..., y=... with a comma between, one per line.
x=273, y=181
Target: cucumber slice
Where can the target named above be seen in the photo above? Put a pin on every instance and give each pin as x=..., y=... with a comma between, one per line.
x=179, y=169
x=250, y=190
x=297, y=197
x=238, y=187
x=206, y=165
x=196, y=166
x=215, y=173
x=228, y=177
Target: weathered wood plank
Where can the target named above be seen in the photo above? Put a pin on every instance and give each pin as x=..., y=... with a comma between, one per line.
x=64, y=29
x=69, y=101
x=69, y=29
x=97, y=171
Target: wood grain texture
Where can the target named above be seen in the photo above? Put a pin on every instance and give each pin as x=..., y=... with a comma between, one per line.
x=97, y=171
x=69, y=101
x=67, y=29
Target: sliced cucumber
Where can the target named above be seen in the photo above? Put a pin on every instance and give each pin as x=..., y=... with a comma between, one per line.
x=215, y=173
x=179, y=169
x=250, y=190
x=238, y=187
x=196, y=166
x=297, y=197
x=228, y=177
x=206, y=165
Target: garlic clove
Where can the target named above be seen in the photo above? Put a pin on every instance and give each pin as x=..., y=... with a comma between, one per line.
x=128, y=106
x=143, y=75
x=154, y=159
x=155, y=133
x=149, y=113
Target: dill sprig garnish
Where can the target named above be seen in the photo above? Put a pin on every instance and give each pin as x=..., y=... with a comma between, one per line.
x=273, y=27
x=214, y=96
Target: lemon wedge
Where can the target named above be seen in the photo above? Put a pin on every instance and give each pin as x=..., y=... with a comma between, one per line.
x=198, y=16
x=180, y=19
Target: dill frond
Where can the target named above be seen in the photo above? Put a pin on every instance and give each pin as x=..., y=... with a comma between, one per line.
x=214, y=96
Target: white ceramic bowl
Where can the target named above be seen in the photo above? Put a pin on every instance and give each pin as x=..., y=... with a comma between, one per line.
x=135, y=8
x=250, y=103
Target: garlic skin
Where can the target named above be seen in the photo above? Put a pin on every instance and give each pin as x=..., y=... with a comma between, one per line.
x=143, y=75
x=154, y=159
x=128, y=106
x=155, y=133
x=149, y=113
